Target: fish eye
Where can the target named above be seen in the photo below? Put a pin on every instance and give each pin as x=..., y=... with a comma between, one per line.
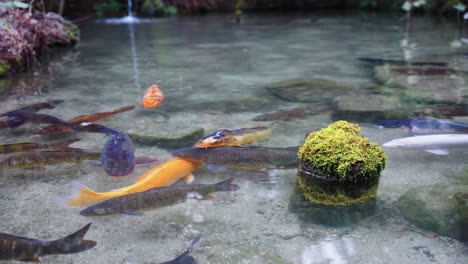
x=219, y=134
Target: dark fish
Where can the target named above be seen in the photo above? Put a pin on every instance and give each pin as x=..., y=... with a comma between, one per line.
x=19, y=117
x=185, y=258
x=377, y=61
x=92, y=118
x=27, y=249
x=118, y=154
x=447, y=111
x=155, y=198
x=33, y=146
x=36, y=107
x=220, y=158
x=426, y=70
x=420, y=126
x=37, y=159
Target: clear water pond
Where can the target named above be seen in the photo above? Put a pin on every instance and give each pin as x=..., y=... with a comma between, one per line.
x=217, y=74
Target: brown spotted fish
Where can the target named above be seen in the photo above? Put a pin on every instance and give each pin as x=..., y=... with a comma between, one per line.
x=33, y=146
x=221, y=158
x=38, y=159
x=14, y=247
x=154, y=198
x=237, y=138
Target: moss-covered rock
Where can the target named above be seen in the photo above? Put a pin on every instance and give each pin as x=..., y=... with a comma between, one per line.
x=339, y=167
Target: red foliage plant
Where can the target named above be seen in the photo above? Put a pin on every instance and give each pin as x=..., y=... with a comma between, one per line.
x=23, y=33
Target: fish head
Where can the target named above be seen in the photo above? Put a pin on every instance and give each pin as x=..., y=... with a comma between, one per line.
x=191, y=154
x=216, y=139
x=397, y=143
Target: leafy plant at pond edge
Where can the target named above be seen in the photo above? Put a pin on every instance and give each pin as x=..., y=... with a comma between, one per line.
x=109, y=8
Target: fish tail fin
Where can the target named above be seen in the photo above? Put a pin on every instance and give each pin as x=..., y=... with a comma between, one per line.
x=63, y=144
x=73, y=243
x=80, y=196
x=194, y=241
x=227, y=185
x=123, y=109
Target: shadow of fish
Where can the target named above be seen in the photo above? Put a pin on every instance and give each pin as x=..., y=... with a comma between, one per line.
x=14, y=247
x=221, y=158
x=296, y=113
x=155, y=198
x=38, y=159
x=185, y=258
x=118, y=154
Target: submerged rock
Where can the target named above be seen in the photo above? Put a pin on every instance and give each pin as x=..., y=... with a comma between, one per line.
x=439, y=208
x=430, y=88
x=173, y=142
x=368, y=108
x=313, y=90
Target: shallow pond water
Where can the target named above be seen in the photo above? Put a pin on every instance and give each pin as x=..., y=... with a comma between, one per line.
x=213, y=73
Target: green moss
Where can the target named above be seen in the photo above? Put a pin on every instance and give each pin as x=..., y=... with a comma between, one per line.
x=339, y=196
x=338, y=150
x=4, y=67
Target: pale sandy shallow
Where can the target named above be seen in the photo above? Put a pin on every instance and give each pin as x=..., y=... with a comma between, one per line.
x=254, y=224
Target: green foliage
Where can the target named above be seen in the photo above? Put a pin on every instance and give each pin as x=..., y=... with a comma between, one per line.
x=3, y=68
x=107, y=8
x=240, y=4
x=368, y=3
x=339, y=150
x=158, y=6
x=13, y=4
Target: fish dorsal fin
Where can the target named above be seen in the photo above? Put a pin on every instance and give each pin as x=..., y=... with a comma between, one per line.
x=437, y=151
x=188, y=179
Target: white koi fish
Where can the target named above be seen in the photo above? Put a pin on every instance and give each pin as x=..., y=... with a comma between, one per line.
x=434, y=144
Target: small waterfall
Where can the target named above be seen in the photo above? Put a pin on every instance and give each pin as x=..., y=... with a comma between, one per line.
x=129, y=8
x=136, y=74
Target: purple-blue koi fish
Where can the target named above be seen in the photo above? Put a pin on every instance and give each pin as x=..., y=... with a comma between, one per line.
x=118, y=154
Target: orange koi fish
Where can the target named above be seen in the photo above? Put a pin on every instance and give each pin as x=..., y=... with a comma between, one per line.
x=152, y=97
x=234, y=138
x=92, y=118
x=164, y=174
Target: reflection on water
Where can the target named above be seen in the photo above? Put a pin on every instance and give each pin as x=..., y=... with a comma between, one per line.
x=217, y=74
